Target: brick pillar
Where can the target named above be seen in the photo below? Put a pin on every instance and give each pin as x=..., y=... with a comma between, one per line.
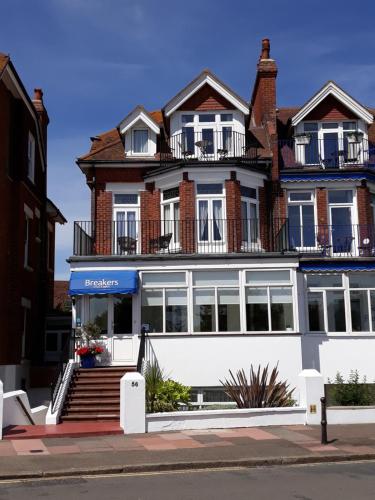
x=150, y=218
x=233, y=206
x=103, y=221
x=323, y=233
x=365, y=233
x=187, y=215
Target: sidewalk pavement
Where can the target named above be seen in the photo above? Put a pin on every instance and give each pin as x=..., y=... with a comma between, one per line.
x=54, y=457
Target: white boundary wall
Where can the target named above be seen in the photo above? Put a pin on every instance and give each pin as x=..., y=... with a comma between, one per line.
x=13, y=413
x=351, y=415
x=224, y=419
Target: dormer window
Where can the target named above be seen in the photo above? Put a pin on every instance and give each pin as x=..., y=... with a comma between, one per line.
x=140, y=141
x=330, y=144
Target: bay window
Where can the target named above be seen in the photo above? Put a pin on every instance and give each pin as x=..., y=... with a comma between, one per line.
x=269, y=301
x=164, y=302
x=216, y=301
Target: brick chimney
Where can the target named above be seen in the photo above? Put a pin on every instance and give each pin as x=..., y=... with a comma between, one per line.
x=42, y=114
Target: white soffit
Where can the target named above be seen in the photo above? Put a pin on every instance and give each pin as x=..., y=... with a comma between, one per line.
x=193, y=87
x=332, y=89
x=139, y=114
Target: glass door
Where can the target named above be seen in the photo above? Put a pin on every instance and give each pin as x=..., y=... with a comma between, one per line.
x=341, y=226
x=126, y=231
x=210, y=225
x=122, y=338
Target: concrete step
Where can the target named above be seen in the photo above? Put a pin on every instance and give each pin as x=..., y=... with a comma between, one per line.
x=88, y=417
x=85, y=394
x=94, y=401
x=93, y=409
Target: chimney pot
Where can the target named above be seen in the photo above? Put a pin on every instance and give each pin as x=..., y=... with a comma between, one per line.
x=38, y=95
x=265, y=48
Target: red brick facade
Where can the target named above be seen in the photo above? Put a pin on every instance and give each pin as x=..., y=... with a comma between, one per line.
x=233, y=206
x=187, y=215
x=150, y=217
x=330, y=109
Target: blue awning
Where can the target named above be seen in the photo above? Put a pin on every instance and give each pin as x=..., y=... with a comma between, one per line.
x=338, y=267
x=103, y=282
x=327, y=176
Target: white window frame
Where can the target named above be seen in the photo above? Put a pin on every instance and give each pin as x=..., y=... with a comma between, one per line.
x=310, y=202
x=138, y=153
x=251, y=201
x=163, y=288
x=210, y=244
x=127, y=207
x=31, y=157
x=269, y=285
x=175, y=243
x=353, y=216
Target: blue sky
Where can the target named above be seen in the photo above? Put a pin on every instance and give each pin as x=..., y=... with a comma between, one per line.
x=97, y=59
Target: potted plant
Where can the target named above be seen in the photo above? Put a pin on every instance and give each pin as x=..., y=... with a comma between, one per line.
x=354, y=137
x=302, y=139
x=89, y=349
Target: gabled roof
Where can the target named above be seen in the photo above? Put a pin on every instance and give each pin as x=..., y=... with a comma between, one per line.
x=4, y=59
x=206, y=77
x=139, y=113
x=331, y=88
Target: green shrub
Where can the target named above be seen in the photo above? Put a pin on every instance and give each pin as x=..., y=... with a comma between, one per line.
x=353, y=392
x=163, y=394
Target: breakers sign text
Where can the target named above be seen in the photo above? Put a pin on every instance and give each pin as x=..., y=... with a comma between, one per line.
x=101, y=283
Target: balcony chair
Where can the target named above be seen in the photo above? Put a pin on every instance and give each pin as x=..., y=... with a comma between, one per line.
x=161, y=243
x=127, y=244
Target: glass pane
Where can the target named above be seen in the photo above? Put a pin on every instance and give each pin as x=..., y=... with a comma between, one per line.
x=310, y=127
x=226, y=117
x=209, y=189
x=340, y=196
x=229, y=310
x=316, y=311
x=294, y=226
x=164, y=278
x=253, y=222
x=349, y=125
x=342, y=235
x=187, y=119
x=359, y=311
x=256, y=310
x=281, y=309
x=140, y=141
x=98, y=312
x=336, y=311
x=215, y=277
x=330, y=125
x=204, y=310
x=217, y=220
x=131, y=225
x=330, y=149
x=300, y=196
x=227, y=138
x=187, y=145
x=312, y=150
x=207, y=118
x=126, y=199
x=176, y=222
x=152, y=310
x=324, y=280
x=203, y=220
x=308, y=225
x=168, y=194
x=208, y=139
x=267, y=276
x=51, y=342
x=372, y=299
x=245, y=221
x=122, y=311
x=362, y=280
x=175, y=311
x=248, y=192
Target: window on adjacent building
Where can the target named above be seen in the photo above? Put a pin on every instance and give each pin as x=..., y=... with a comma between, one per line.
x=31, y=158
x=301, y=219
x=269, y=306
x=164, y=302
x=216, y=301
x=140, y=141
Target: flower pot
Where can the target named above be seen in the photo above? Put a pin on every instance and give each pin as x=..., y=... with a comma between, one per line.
x=355, y=137
x=88, y=361
x=302, y=140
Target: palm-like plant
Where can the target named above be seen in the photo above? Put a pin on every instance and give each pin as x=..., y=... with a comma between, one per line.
x=154, y=378
x=260, y=391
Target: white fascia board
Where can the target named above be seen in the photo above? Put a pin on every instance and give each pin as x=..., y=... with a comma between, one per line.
x=176, y=103
x=134, y=118
x=124, y=187
x=343, y=97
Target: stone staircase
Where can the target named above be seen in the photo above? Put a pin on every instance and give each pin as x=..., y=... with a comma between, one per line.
x=94, y=394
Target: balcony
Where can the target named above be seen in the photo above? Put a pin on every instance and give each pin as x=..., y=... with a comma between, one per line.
x=346, y=240
x=179, y=237
x=208, y=145
x=220, y=236
x=330, y=153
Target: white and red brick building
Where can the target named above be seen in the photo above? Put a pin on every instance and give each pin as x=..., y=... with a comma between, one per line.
x=233, y=233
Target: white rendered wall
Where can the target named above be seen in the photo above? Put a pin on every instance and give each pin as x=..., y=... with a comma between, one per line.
x=330, y=354
x=11, y=376
x=203, y=360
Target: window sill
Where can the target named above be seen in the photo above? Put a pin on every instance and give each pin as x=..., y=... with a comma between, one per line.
x=340, y=334
x=221, y=334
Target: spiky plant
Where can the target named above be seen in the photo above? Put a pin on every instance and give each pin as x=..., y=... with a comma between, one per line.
x=154, y=378
x=260, y=391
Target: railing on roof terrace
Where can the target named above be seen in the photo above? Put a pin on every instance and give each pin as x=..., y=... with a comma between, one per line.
x=330, y=152
x=209, y=145
x=193, y=236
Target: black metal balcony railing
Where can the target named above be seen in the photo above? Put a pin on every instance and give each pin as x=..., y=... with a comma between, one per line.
x=209, y=145
x=213, y=236
x=326, y=153
x=201, y=236
x=345, y=240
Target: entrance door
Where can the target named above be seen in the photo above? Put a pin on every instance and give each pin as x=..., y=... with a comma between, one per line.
x=123, y=349
x=126, y=231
